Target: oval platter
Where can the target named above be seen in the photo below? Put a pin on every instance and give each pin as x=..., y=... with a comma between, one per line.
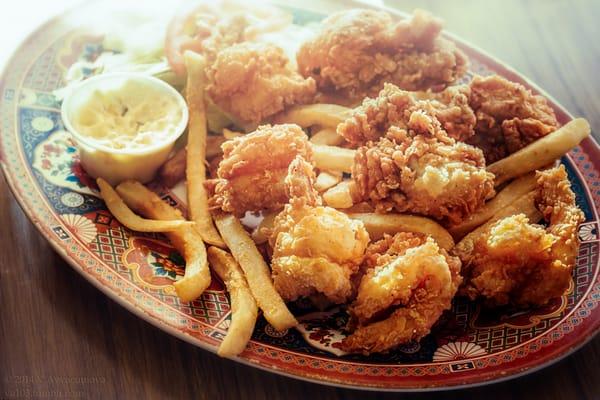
x=466, y=348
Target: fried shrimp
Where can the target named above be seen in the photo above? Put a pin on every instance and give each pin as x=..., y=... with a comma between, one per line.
x=409, y=282
x=356, y=51
x=517, y=262
x=252, y=172
x=316, y=249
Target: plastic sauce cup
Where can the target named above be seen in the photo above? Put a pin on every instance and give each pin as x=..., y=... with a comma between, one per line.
x=116, y=165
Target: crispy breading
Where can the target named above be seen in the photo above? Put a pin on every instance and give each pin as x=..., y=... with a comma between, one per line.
x=356, y=51
x=520, y=263
x=253, y=81
x=225, y=32
x=451, y=108
x=409, y=282
x=415, y=167
x=254, y=166
x=394, y=106
x=316, y=249
x=509, y=116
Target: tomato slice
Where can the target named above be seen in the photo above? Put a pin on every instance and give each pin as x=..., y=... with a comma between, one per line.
x=183, y=34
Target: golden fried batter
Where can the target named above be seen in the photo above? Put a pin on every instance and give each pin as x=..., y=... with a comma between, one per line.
x=252, y=172
x=316, y=249
x=415, y=167
x=356, y=51
x=516, y=262
x=492, y=113
x=393, y=107
x=227, y=31
x=451, y=108
x=509, y=116
x=253, y=81
x=409, y=283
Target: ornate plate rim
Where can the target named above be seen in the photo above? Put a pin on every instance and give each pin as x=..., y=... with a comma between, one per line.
x=591, y=146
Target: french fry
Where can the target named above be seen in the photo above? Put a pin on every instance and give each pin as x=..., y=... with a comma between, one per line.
x=523, y=205
x=173, y=170
x=541, y=152
x=504, y=198
x=124, y=215
x=196, y=151
x=261, y=233
x=360, y=208
x=326, y=180
x=326, y=115
x=327, y=136
x=243, y=306
x=256, y=271
x=332, y=158
x=229, y=134
x=341, y=195
x=379, y=224
x=186, y=240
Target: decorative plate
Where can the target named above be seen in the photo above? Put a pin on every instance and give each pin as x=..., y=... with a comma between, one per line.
x=467, y=347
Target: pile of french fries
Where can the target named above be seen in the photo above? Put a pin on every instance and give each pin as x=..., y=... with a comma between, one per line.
x=221, y=242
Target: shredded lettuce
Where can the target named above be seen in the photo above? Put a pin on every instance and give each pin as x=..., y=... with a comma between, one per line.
x=133, y=42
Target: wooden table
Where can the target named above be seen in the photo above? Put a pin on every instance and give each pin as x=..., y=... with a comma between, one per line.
x=60, y=337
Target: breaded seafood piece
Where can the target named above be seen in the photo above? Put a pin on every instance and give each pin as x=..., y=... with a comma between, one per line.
x=356, y=51
x=394, y=106
x=253, y=81
x=509, y=116
x=524, y=264
x=253, y=169
x=409, y=283
x=416, y=167
x=316, y=249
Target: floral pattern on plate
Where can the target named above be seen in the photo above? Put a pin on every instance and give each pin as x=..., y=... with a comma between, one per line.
x=323, y=329
x=57, y=159
x=81, y=227
x=458, y=351
x=154, y=263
